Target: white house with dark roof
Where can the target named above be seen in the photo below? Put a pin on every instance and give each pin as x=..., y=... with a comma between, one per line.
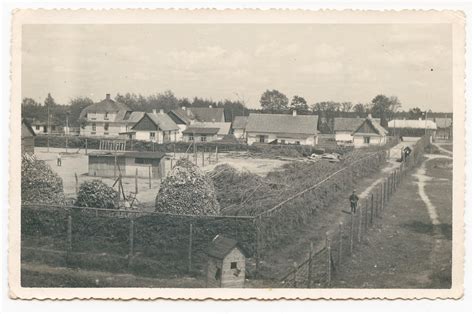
x=155, y=127
x=412, y=128
x=107, y=118
x=282, y=129
x=369, y=133
x=206, y=131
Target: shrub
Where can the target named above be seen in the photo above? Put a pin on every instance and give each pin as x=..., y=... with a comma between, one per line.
x=97, y=194
x=39, y=183
x=187, y=190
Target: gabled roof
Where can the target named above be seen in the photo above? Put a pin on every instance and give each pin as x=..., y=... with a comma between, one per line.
x=347, y=124
x=27, y=127
x=282, y=123
x=221, y=246
x=412, y=124
x=161, y=120
x=182, y=115
x=443, y=122
x=197, y=130
x=204, y=114
x=129, y=116
x=106, y=105
x=240, y=122
x=223, y=127
x=374, y=125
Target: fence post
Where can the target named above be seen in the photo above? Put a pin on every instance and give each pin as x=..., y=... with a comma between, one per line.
x=372, y=209
x=77, y=183
x=115, y=165
x=66, y=143
x=359, y=224
x=190, y=247
x=136, y=180
x=351, y=237
x=149, y=177
x=131, y=244
x=295, y=270
x=203, y=155
x=328, y=247
x=341, y=231
x=366, y=216
x=217, y=154
x=310, y=266
x=69, y=238
x=257, y=246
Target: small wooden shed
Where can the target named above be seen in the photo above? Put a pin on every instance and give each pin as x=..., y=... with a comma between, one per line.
x=226, y=264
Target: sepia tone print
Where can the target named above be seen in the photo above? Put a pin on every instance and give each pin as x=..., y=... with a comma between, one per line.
x=292, y=156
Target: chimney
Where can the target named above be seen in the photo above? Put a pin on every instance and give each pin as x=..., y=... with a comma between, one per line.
x=107, y=96
x=162, y=111
x=294, y=113
x=154, y=111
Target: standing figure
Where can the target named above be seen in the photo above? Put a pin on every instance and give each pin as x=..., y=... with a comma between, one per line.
x=353, y=199
x=59, y=160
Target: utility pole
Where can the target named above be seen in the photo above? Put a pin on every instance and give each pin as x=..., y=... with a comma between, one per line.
x=48, y=125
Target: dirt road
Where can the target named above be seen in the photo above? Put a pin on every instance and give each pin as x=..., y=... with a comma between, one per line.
x=410, y=247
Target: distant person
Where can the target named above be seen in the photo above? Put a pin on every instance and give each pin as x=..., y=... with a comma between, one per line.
x=401, y=138
x=353, y=199
x=59, y=162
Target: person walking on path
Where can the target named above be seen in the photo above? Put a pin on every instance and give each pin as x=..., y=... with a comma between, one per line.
x=59, y=160
x=353, y=199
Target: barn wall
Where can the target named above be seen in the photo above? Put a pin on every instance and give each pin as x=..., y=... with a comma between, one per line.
x=230, y=279
x=343, y=136
x=28, y=144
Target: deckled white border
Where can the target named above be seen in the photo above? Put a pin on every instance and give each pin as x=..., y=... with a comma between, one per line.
x=213, y=16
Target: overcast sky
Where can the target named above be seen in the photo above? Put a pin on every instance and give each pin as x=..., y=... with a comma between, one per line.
x=318, y=62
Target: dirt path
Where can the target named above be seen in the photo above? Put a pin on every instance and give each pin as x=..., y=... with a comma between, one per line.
x=410, y=247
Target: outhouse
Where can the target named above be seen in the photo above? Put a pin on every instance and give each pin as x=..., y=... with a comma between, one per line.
x=226, y=264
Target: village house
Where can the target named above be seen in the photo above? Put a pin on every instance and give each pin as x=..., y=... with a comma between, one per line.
x=206, y=131
x=45, y=127
x=369, y=133
x=108, y=118
x=238, y=127
x=226, y=264
x=185, y=116
x=412, y=128
x=27, y=138
x=344, y=128
x=155, y=127
x=282, y=129
x=127, y=164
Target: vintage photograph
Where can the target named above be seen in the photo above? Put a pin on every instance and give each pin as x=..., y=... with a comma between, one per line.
x=237, y=155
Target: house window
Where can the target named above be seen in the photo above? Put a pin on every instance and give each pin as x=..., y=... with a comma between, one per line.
x=366, y=139
x=93, y=127
x=203, y=138
x=191, y=138
x=233, y=265
x=144, y=161
x=261, y=138
x=37, y=127
x=152, y=135
x=106, y=127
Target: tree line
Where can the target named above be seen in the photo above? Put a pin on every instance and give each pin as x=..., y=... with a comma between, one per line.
x=272, y=101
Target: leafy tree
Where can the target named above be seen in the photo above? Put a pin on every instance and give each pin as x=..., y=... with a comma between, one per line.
x=274, y=101
x=346, y=106
x=415, y=113
x=49, y=101
x=360, y=109
x=27, y=102
x=327, y=109
x=299, y=104
x=76, y=105
x=384, y=107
